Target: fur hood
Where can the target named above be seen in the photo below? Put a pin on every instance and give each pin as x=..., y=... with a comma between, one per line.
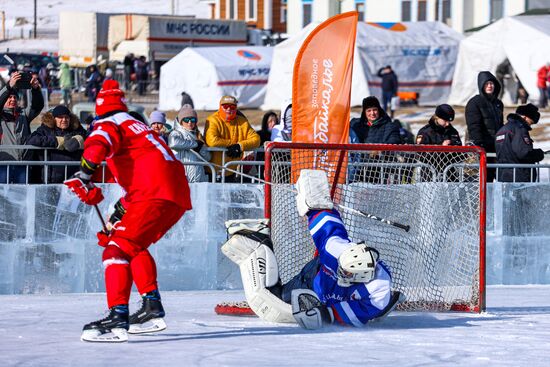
x=49, y=121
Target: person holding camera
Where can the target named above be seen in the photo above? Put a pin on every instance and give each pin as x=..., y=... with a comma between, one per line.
x=15, y=123
x=226, y=128
x=62, y=131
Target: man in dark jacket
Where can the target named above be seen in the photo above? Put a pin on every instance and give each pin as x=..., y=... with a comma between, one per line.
x=439, y=130
x=61, y=131
x=389, y=86
x=514, y=145
x=15, y=125
x=484, y=116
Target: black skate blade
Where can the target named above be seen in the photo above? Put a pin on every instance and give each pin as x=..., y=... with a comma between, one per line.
x=151, y=326
x=116, y=335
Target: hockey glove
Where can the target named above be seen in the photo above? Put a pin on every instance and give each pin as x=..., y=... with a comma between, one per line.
x=234, y=151
x=103, y=238
x=117, y=214
x=308, y=311
x=85, y=190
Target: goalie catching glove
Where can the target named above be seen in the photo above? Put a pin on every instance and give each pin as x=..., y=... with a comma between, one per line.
x=313, y=191
x=308, y=311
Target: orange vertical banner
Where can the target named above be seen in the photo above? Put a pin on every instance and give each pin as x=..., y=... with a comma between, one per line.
x=321, y=90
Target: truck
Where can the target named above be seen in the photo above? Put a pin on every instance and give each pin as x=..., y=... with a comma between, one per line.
x=83, y=38
x=160, y=37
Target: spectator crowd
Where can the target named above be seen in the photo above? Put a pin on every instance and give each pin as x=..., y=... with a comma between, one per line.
x=228, y=135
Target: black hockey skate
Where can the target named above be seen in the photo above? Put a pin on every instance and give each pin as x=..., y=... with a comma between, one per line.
x=396, y=298
x=111, y=329
x=149, y=318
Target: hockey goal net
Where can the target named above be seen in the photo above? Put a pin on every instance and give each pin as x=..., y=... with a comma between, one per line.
x=439, y=264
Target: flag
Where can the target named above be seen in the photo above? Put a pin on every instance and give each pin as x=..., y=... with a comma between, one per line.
x=321, y=91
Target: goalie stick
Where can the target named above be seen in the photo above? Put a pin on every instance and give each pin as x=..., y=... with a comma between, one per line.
x=239, y=308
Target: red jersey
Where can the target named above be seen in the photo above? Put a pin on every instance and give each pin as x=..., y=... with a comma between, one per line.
x=141, y=162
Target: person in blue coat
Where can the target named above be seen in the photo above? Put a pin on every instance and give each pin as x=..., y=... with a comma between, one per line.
x=514, y=145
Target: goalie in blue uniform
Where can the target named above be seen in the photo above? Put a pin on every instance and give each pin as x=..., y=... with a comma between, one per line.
x=345, y=283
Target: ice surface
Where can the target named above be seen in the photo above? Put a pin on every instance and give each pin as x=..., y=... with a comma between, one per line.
x=44, y=330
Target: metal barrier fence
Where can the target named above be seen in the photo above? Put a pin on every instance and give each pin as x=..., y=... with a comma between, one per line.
x=248, y=169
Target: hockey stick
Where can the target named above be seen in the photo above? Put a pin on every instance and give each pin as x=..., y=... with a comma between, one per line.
x=404, y=227
x=101, y=218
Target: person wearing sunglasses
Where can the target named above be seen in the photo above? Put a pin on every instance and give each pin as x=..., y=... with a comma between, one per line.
x=226, y=128
x=188, y=143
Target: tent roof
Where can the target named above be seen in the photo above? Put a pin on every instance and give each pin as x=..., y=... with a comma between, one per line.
x=521, y=39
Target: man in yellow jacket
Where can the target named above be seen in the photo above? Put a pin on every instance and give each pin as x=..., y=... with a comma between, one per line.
x=227, y=129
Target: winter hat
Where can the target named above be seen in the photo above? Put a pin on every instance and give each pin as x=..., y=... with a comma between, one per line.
x=529, y=110
x=186, y=111
x=228, y=100
x=371, y=102
x=445, y=112
x=61, y=111
x=110, y=98
x=157, y=117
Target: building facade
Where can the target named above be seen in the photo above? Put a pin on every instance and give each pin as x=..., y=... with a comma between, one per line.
x=268, y=15
x=461, y=15
x=290, y=16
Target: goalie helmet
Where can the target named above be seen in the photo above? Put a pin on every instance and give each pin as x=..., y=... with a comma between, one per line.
x=357, y=264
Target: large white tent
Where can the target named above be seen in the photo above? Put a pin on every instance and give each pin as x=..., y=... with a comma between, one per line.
x=422, y=54
x=524, y=40
x=208, y=73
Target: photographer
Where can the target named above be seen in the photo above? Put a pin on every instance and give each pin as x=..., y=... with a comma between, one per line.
x=15, y=123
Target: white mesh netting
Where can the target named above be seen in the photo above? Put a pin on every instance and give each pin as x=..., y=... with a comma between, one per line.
x=437, y=193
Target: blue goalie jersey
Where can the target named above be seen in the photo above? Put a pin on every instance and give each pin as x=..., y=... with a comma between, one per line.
x=354, y=305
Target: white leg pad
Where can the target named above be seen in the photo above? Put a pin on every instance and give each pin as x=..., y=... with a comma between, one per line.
x=258, y=271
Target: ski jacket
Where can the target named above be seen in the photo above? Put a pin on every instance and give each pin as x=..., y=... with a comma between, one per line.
x=434, y=134
x=221, y=134
x=141, y=162
x=188, y=146
x=389, y=81
x=382, y=131
x=484, y=114
x=514, y=145
x=354, y=305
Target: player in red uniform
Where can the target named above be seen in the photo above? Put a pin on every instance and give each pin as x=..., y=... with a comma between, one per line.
x=157, y=195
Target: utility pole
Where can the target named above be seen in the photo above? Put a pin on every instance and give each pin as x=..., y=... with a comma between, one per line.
x=35, y=18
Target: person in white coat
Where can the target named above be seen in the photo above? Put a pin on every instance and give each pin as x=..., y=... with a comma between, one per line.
x=188, y=144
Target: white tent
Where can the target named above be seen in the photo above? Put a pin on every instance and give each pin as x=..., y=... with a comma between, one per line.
x=422, y=54
x=208, y=73
x=524, y=40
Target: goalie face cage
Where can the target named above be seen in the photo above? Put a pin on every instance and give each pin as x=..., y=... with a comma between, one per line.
x=439, y=191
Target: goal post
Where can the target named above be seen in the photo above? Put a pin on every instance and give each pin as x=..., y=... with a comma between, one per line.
x=439, y=191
